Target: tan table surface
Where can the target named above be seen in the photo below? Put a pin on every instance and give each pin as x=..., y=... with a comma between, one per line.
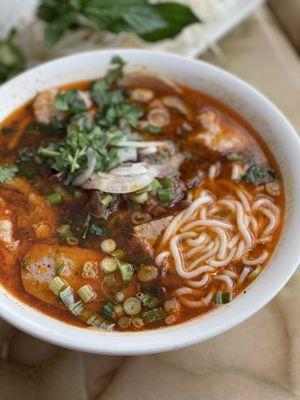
x=260, y=359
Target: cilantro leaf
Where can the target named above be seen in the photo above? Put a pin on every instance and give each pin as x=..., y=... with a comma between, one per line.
x=7, y=173
x=259, y=174
x=70, y=101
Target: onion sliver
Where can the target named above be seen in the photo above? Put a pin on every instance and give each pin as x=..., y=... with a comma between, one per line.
x=91, y=164
x=111, y=183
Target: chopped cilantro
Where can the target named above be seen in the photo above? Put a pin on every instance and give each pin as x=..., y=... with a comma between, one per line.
x=7, y=173
x=70, y=101
x=259, y=174
x=98, y=230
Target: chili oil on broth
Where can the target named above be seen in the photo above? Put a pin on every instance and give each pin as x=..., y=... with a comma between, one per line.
x=205, y=171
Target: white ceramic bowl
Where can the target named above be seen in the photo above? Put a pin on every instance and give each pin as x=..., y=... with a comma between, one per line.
x=260, y=112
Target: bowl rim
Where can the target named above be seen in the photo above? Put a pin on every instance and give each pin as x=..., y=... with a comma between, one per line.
x=168, y=338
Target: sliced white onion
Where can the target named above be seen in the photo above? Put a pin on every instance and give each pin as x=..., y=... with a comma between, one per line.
x=134, y=169
x=91, y=164
x=141, y=144
x=126, y=154
x=111, y=183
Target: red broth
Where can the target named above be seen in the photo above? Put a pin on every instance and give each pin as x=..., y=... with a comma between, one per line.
x=50, y=228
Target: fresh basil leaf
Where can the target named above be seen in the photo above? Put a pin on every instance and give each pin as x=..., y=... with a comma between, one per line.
x=144, y=20
x=177, y=17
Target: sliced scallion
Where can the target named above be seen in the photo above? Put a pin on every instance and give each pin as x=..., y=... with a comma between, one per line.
x=65, y=231
x=147, y=273
x=56, y=285
x=106, y=200
x=137, y=323
x=153, y=315
x=108, y=245
x=165, y=195
x=96, y=321
x=109, y=264
x=223, y=297
x=166, y=183
x=77, y=308
x=67, y=297
x=54, y=198
x=107, y=311
x=86, y=293
x=118, y=253
x=148, y=300
x=127, y=271
x=155, y=185
x=140, y=198
x=132, y=306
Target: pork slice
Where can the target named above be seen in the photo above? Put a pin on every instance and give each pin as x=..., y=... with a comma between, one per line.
x=42, y=262
x=151, y=231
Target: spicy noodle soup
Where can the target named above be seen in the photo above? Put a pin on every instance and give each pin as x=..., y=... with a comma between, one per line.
x=133, y=202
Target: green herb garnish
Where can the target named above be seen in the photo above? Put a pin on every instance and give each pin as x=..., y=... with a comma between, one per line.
x=107, y=310
x=152, y=22
x=7, y=173
x=259, y=174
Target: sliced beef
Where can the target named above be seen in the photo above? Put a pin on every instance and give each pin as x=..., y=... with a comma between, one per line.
x=100, y=210
x=149, y=232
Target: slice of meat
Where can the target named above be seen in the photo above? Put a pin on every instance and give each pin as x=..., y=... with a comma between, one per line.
x=44, y=106
x=150, y=231
x=222, y=135
x=42, y=262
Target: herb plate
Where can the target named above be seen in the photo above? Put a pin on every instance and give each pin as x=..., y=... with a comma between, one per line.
x=218, y=16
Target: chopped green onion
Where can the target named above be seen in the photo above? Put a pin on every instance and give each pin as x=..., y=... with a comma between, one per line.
x=171, y=306
x=118, y=253
x=148, y=300
x=155, y=185
x=165, y=195
x=153, y=315
x=67, y=297
x=170, y=319
x=60, y=269
x=25, y=264
x=106, y=200
x=127, y=271
x=54, y=198
x=109, y=279
x=132, y=306
x=107, y=310
x=65, y=232
x=140, y=198
x=223, y=297
x=77, y=309
x=98, y=322
x=124, y=322
x=86, y=293
x=109, y=264
x=119, y=310
x=56, y=285
x=77, y=194
x=137, y=323
x=254, y=273
x=166, y=183
x=120, y=297
x=147, y=273
x=108, y=245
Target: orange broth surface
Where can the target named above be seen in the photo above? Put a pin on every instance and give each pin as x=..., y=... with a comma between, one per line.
x=26, y=200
